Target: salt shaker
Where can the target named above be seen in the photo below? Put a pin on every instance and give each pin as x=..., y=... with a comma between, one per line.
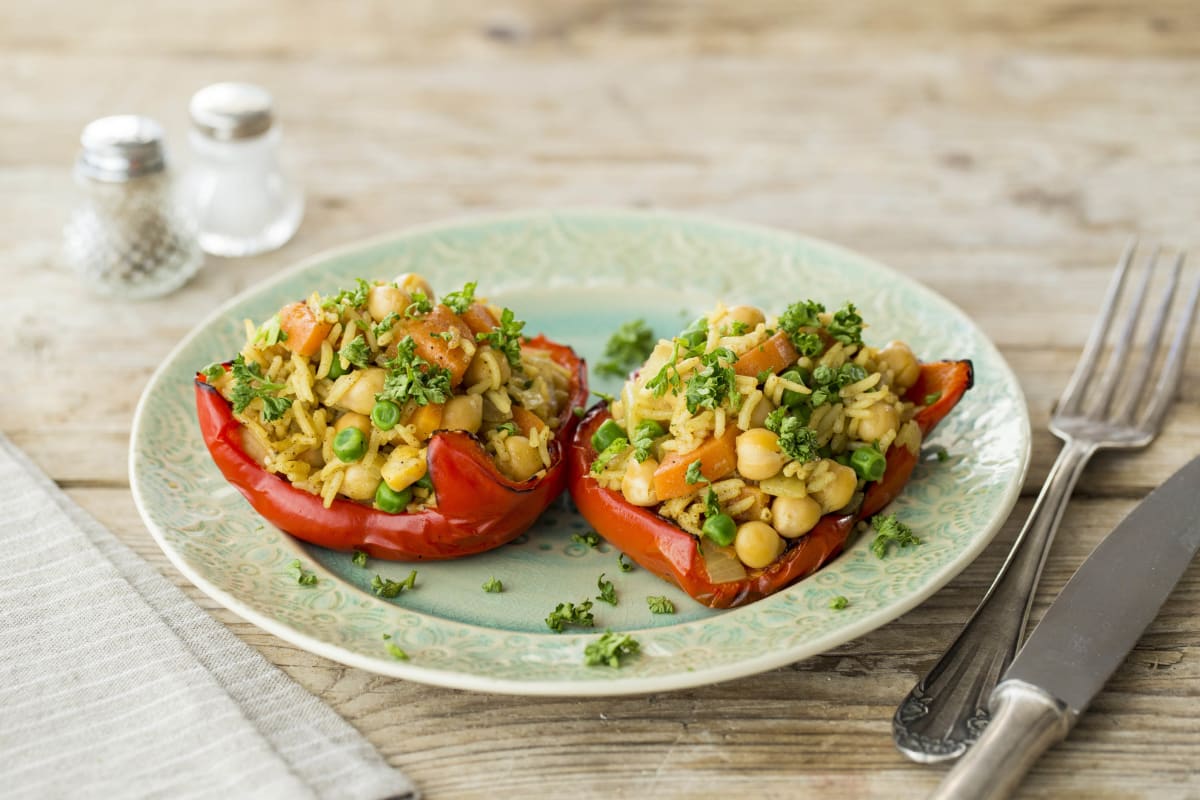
x=128, y=238
x=235, y=189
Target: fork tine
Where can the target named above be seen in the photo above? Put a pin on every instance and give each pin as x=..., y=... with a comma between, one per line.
x=1124, y=412
x=1116, y=363
x=1164, y=390
x=1072, y=395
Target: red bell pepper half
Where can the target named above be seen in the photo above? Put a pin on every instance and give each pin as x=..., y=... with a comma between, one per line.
x=671, y=553
x=477, y=509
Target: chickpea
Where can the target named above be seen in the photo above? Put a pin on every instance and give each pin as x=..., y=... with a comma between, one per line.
x=360, y=397
x=360, y=482
x=880, y=419
x=404, y=467
x=758, y=417
x=352, y=419
x=524, y=458
x=488, y=365
x=758, y=456
x=411, y=283
x=899, y=358
x=794, y=516
x=463, y=413
x=638, y=483
x=749, y=316
x=839, y=491
x=757, y=544
x=386, y=299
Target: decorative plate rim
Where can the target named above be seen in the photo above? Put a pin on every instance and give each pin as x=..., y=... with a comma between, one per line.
x=613, y=683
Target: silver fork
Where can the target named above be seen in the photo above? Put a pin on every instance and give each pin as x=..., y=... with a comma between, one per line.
x=947, y=710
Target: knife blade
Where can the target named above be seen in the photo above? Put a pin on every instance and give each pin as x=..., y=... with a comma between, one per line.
x=1085, y=635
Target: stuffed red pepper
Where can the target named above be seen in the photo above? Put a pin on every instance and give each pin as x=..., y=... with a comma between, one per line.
x=741, y=456
x=384, y=420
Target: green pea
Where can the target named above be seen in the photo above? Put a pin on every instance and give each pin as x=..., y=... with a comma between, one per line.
x=648, y=429
x=606, y=434
x=349, y=444
x=869, y=463
x=425, y=482
x=385, y=414
x=389, y=500
x=790, y=398
x=335, y=368
x=720, y=528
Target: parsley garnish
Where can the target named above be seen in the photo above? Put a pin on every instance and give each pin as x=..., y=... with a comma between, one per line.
x=691, y=342
x=796, y=440
x=890, y=531
x=460, y=301
x=608, y=649
x=693, y=474
x=571, y=614
x=359, y=558
x=356, y=297
x=396, y=652
x=709, y=386
x=735, y=328
x=492, y=585
x=660, y=605
x=643, y=438
x=411, y=377
x=384, y=325
x=356, y=352
x=846, y=325
x=506, y=337
x=269, y=332
x=808, y=344
x=712, y=506
x=930, y=399
x=608, y=592
x=802, y=314
x=509, y=427
x=303, y=576
x=762, y=376
x=839, y=602
x=612, y=451
x=628, y=347
x=623, y=564
x=212, y=372
x=386, y=587
x=591, y=538
x=608, y=398
x=942, y=455
x=249, y=383
x=579, y=411
x=420, y=305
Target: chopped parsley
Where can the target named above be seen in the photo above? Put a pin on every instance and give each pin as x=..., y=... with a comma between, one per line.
x=802, y=314
x=693, y=474
x=384, y=325
x=460, y=301
x=303, y=576
x=644, y=435
x=386, y=587
x=249, y=383
x=609, y=649
x=710, y=385
x=660, y=605
x=612, y=451
x=930, y=399
x=608, y=592
x=629, y=346
x=411, y=377
x=359, y=559
x=796, y=440
x=396, y=652
x=579, y=411
x=762, y=376
x=356, y=297
x=846, y=325
x=445, y=336
x=506, y=337
x=213, y=371
x=493, y=586
x=420, y=305
x=890, y=531
x=269, y=332
x=735, y=328
x=691, y=342
x=624, y=565
x=808, y=344
x=356, y=352
x=571, y=614
x=712, y=506
x=590, y=539
x=942, y=455
x=509, y=427
x=839, y=602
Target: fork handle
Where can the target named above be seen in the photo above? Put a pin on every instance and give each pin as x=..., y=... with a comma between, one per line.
x=947, y=710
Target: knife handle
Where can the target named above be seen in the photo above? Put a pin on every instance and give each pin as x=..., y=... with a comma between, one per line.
x=1026, y=721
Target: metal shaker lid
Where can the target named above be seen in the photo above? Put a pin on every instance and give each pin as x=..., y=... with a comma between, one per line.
x=230, y=111
x=121, y=147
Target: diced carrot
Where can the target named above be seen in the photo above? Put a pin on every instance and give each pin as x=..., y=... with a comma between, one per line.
x=479, y=318
x=304, y=331
x=435, y=349
x=718, y=458
x=527, y=420
x=773, y=354
x=427, y=419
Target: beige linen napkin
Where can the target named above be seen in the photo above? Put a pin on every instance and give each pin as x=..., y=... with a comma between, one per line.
x=114, y=684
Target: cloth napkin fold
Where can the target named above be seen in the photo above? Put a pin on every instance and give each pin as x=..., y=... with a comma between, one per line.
x=114, y=684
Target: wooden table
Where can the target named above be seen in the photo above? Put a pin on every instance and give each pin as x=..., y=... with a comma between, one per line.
x=1002, y=155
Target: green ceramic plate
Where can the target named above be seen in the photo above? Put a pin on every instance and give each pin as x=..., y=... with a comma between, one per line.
x=576, y=276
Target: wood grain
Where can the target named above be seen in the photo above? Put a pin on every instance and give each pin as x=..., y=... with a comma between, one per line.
x=1000, y=152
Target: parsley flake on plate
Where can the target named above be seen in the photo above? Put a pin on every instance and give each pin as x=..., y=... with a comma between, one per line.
x=890, y=531
x=839, y=602
x=303, y=577
x=609, y=649
x=591, y=538
x=493, y=586
x=608, y=592
x=660, y=605
x=386, y=587
x=571, y=614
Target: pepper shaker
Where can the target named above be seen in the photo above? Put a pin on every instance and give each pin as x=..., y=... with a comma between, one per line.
x=128, y=238
x=241, y=200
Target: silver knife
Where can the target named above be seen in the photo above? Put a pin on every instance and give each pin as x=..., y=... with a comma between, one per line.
x=1085, y=635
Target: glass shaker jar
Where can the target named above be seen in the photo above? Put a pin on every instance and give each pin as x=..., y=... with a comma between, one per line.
x=128, y=238
x=234, y=188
